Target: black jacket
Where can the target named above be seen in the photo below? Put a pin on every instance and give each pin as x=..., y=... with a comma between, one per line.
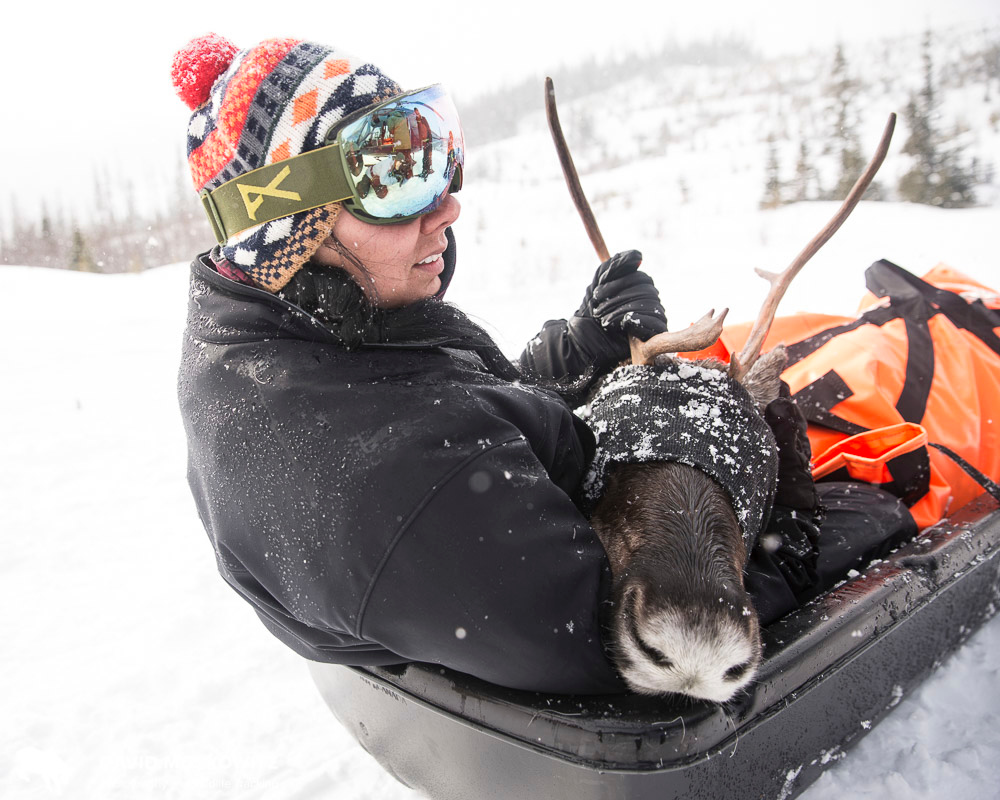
x=391, y=503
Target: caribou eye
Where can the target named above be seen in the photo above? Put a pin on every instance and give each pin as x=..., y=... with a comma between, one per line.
x=737, y=672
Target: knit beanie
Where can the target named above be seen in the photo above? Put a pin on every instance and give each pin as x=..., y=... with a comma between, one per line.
x=263, y=105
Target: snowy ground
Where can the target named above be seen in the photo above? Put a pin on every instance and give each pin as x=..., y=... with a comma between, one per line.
x=131, y=671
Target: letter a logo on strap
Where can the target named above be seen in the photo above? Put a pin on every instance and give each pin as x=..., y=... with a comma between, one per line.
x=253, y=196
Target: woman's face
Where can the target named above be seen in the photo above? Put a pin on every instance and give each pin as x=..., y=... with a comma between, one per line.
x=404, y=261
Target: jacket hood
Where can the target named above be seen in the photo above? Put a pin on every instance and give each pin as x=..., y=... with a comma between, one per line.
x=222, y=315
x=226, y=311
x=450, y=259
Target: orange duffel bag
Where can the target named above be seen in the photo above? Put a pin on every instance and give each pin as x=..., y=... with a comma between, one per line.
x=907, y=394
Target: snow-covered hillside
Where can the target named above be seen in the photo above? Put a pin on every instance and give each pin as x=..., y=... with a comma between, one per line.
x=692, y=129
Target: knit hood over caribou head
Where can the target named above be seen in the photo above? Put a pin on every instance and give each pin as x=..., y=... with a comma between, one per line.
x=683, y=412
x=260, y=106
x=683, y=481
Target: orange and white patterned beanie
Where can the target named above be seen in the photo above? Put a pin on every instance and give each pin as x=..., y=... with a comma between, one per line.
x=263, y=105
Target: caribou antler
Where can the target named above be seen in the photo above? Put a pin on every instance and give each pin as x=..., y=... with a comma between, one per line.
x=569, y=172
x=740, y=364
x=703, y=333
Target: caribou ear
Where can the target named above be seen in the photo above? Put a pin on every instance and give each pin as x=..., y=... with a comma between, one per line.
x=764, y=379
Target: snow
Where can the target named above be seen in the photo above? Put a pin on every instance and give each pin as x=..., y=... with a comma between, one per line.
x=131, y=670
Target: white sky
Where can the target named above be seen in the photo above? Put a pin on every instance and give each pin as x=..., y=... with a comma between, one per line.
x=87, y=86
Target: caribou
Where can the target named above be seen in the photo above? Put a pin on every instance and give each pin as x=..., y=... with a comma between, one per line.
x=677, y=534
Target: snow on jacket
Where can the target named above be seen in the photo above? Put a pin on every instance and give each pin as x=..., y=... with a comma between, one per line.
x=392, y=503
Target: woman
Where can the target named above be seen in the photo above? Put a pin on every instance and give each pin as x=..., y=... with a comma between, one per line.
x=378, y=481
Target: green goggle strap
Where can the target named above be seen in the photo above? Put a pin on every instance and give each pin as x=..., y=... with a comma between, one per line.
x=299, y=183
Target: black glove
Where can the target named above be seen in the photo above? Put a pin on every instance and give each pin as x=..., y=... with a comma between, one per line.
x=784, y=566
x=624, y=300
x=620, y=301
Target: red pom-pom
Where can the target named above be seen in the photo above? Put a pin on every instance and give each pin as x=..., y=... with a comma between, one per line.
x=198, y=64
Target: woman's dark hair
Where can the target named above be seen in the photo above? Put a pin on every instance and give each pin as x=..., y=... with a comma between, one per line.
x=336, y=300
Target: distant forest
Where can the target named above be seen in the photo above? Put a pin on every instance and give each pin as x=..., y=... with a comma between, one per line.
x=111, y=241
x=941, y=173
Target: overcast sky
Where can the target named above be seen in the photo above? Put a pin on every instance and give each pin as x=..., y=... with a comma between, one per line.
x=88, y=86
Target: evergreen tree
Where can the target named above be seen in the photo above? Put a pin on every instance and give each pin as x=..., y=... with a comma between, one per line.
x=805, y=185
x=79, y=256
x=773, y=187
x=46, y=245
x=938, y=177
x=845, y=145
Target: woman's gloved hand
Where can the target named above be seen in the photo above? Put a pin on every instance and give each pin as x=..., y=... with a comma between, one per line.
x=620, y=301
x=624, y=300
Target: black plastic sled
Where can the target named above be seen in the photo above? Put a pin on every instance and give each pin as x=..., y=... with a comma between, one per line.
x=832, y=670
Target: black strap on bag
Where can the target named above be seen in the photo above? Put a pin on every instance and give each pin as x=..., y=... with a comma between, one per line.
x=816, y=400
x=915, y=302
x=905, y=291
x=991, y=487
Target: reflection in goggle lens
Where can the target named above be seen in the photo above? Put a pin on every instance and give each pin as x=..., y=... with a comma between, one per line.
x=404, y=156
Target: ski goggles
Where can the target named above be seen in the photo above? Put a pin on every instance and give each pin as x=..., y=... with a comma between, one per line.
x=387, y=163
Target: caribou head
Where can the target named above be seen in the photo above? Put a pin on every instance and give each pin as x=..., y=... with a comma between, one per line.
x=686, y=470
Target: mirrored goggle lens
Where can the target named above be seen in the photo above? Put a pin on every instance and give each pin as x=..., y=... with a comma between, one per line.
x=404, y=156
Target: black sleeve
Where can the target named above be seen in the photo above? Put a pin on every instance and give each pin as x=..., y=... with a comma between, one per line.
x=783, y=566
x=498, y=575
x=621, y=301
x=569, y=350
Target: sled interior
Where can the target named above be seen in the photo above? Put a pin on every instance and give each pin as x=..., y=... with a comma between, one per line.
x=832, y=670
